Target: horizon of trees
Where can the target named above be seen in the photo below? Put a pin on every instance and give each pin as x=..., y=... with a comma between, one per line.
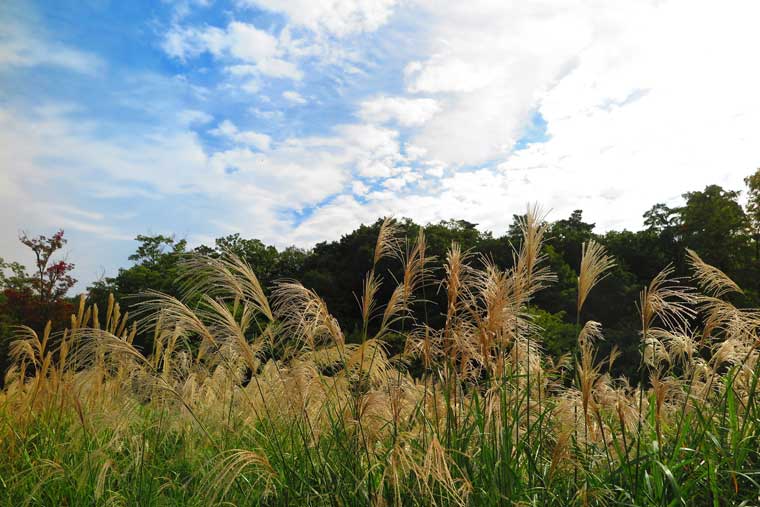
x=712, y=222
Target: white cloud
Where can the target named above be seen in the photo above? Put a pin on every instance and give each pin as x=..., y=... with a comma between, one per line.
x=228, y=130
x=359, y=188
x=251, y=86
x=376, y=149
x=270, y=115
x=259, y=50
x=283, y=179
x=492, y=61
x=435, y=170
x=184, y=43
x=337, y=17
x=378, y=141
x=184, y=7
x=399, y=182
x=407, y=112
x=18, y=48
x=193, y=117
x=448, y=73
x=294, y=97
x=249, y=44
x=645, y=118
x=49, y=145
x=634, y=114
x=276, y=67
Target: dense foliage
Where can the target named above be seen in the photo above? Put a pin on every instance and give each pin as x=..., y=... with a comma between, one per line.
x=712, y=222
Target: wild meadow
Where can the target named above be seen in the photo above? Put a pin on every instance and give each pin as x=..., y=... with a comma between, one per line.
x=253, y=395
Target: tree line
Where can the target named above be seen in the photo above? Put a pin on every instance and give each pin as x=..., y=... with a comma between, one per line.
x=712, y=221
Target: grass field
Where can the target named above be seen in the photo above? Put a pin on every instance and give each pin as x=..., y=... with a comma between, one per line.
x=247, y=399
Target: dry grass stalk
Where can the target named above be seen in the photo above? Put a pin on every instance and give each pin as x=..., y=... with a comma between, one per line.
x=595, y=266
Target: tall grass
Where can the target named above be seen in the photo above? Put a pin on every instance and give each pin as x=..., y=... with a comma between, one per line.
x=248, y=401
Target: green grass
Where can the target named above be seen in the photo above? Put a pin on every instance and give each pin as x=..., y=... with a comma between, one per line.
x=710, y=459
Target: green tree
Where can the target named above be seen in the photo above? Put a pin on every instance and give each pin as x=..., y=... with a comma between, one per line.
x=13, y=280
x=753, y=209
x=290, y=262
x=267, y=262
x=13, y=275
x=156, y=267
x=263, y=259
x=568, y=235
x=660, y=218
x=642, y=253
x=559, y=335
x=441, y=235
x=713, y=223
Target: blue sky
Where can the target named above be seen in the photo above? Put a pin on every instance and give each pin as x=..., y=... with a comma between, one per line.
x=294, y=121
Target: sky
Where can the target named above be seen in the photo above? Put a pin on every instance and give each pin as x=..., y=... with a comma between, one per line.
x=294, y=121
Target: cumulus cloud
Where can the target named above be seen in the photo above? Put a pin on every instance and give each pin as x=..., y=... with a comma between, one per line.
x=379, y=149
x=359, y=188
x=405, y=111
x=633, y=114
x=492, y=61
x=338, y=17
x=399, y=182
x=285, y=179
x=228, y=130
x=239, y=41
x=193, y=117
x=49, y=146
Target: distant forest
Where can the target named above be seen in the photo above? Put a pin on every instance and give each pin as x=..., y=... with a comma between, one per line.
x=712, y=221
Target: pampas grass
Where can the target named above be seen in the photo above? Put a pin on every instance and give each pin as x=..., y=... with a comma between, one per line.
x=247, y=399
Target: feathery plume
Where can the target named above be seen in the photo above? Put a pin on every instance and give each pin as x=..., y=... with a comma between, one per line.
x=711, y=279
x=595, y=266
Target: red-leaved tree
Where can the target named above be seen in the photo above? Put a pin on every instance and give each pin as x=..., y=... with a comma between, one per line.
x=34, y=299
